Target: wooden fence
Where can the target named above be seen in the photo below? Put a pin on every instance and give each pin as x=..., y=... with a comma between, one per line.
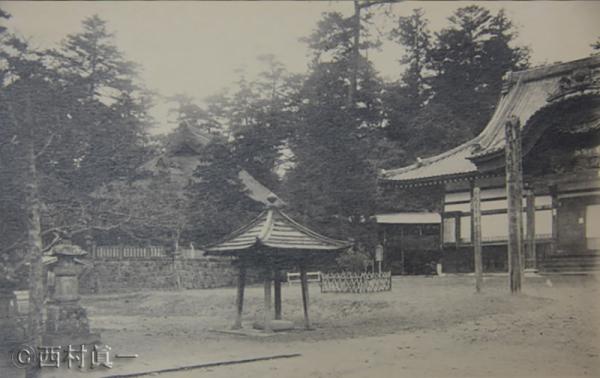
x=356, y=282
x=123, y=252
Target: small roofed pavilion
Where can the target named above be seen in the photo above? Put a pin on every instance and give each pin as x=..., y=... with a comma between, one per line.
x=273, y=242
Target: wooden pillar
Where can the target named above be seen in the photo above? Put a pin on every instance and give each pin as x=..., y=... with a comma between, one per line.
x=277, y=292
x=476, y=236
x=239, y=300
x=267, y=308
x=514, y=192
x=531, y=262
x=457, y=230
x=304, y=285
x=555, y=234
x=402, y=267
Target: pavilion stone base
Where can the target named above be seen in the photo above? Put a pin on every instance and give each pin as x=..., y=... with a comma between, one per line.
x=67, y=323
x=276, y=325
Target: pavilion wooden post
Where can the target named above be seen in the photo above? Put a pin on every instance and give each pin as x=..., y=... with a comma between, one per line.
x=514, y=192
x=304, y=285
x=476, y=229
x=267, y=316
x=277, y=293
x=531, y=262
x=239, y=300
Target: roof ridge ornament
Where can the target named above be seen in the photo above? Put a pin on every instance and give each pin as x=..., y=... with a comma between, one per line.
x=508, y=80
x=578, y=81
x=272, y=201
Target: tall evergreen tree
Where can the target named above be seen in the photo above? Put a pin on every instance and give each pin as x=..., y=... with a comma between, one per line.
x=404, y=99
x=102, y=99
x=30, y=114
x=189, y=113
x=412, y=32
x=332, y=182
x=98, y=78
x=269, y=115
x=48, y=105
x=452, y=81
x=218, y=202
x=469, y=59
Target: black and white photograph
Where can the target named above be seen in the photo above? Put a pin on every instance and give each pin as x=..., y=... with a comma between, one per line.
x=299, y=189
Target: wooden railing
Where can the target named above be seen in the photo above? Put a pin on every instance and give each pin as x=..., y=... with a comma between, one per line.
x=310, y=277
x=356, y=282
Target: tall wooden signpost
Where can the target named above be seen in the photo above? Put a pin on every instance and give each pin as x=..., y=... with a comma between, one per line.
x=476, y=219
x=514, y=193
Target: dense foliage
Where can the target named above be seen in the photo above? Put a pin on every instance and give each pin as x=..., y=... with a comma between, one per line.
x=317, y=139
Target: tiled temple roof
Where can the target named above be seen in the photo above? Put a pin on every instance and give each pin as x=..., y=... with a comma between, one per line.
x=525, y=93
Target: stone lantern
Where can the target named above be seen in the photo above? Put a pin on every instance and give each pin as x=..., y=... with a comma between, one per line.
x=67, y=321
x=8, y=283
x=8, y=325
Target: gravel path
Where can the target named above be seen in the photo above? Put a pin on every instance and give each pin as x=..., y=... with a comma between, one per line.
x=424, y=327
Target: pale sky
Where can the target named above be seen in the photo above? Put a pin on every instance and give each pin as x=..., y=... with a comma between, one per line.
x=195, y=47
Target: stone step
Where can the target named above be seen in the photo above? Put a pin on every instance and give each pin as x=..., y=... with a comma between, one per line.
x=573, y=264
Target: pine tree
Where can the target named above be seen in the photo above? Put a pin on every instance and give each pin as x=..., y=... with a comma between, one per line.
x=102, y=86
x=332, y=182
x=30, y=115
x=218, y=201
x=452, y=82
x=189, y=113
x=405, y=98
x=269, y=115
x=413, y=34
x=469, y=59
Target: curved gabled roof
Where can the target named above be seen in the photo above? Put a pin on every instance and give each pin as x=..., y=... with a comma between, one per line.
x=527, y=92
x=274, y=229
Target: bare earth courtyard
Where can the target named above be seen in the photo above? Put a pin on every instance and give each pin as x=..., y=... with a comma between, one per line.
x=424, y=327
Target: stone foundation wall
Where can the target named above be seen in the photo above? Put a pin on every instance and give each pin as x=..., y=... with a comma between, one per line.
x=113, y=275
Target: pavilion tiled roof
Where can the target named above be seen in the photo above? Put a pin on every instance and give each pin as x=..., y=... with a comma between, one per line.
x=274, y=229
x=527, y=92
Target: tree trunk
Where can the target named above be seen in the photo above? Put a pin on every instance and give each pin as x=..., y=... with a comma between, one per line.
x=33, y=243
x=355, y=56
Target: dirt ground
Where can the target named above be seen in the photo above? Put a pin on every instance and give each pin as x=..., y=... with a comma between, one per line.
x=424, y=327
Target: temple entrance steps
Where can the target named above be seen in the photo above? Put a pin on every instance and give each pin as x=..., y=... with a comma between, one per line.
x=571, y=264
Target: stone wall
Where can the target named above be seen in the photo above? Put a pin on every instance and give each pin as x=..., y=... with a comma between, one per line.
x=113, y=275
